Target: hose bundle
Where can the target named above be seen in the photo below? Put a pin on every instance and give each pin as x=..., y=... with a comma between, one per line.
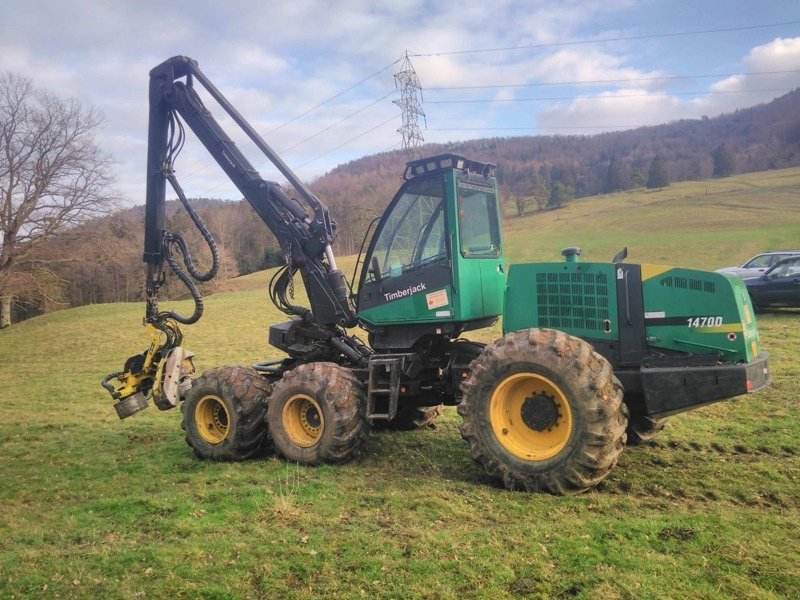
x=281, y=288
x=173, y=243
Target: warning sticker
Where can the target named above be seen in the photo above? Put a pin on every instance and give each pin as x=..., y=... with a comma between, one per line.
x=437, y=299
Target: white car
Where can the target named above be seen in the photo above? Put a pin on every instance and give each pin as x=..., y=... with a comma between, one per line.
x=758, y=265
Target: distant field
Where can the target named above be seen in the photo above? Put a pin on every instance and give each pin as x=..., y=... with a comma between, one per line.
x=702, y=224
x=699, y=224
x=91, y=507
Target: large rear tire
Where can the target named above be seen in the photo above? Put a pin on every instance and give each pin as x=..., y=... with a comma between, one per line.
x=223, y=414
x=543, y=411
x=317, y=414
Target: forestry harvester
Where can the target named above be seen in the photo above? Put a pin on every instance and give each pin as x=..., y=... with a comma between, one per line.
x=592, y=354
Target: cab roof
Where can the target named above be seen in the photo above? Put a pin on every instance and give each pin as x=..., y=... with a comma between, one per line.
x=444, y=162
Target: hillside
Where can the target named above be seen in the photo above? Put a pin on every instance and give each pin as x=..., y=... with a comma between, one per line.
x=731, y=219
x=104, y=256
x=98, y=508
x=762, y=137
x=727, y=220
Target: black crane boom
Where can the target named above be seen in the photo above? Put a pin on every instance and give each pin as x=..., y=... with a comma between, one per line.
x=304, y=232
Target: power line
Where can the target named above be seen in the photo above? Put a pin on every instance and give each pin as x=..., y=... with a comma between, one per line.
x=310, y=110
x=339, y=122
x=320, y=132
x=360, y=135
x=599, y=81
x=370, y=130
x=609, y=39
x=313, y=108
x=587, y=127
x=531, y=46
x=615, y=96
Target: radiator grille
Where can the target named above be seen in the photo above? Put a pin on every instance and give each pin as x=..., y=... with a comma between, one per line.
x=576, y=300
x=691, y=284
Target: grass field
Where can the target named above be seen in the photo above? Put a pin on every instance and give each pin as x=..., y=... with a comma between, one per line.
x=91, y=507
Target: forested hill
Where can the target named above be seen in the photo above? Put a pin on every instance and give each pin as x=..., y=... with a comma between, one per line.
x=104, y=262
x=762, y=137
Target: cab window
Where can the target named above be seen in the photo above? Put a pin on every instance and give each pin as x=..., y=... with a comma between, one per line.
x=788, y=268
x=478, y=225
x=413, y=234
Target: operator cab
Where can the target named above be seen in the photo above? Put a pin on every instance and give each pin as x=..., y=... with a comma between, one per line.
x=435, y=263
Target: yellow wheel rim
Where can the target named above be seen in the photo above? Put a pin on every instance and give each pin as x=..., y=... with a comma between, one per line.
x=303, y=420
x=212, y=419
x=530, y=416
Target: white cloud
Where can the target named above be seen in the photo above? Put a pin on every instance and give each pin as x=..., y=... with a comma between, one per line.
x=597, y=68
x=759, y=82
x=611, y=110
x=277, y=60
x=767, y=68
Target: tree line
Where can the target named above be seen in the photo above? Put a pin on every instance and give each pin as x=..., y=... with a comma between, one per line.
x=61, y=245
x=101, y=260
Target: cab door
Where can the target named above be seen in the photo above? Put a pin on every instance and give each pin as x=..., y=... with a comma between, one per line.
x=407, y=275
x=478, y=260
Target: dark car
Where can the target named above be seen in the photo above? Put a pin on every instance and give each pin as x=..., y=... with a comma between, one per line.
x=779, y=286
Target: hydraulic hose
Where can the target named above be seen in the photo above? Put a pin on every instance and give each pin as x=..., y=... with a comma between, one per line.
x=187, y=281
x=201, y=227
x=278, y=287
x=175, y=241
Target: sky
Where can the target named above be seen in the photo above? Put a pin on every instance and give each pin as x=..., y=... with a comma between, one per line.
x=316, y=78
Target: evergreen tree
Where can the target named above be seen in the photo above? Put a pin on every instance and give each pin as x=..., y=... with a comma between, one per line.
x=560, y=194
x=616, y=179
x=658, y=176
x=638, y=179
x=724, y=161
x=695, y=171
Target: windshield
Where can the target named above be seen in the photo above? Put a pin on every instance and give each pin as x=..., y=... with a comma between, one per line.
x=414, y=232
x=477, y=221
x=787, y=268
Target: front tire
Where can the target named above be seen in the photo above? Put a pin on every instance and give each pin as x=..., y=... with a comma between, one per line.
x=223, y=414
x=543, y=411
x=317, y=414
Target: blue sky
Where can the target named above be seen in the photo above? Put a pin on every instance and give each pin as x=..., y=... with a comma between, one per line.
x=276, y=60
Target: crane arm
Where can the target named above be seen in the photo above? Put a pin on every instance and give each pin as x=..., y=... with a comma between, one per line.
x=303, y=228
x=304, y=231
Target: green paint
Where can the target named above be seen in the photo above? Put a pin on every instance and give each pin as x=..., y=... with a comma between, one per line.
x=476, y=285
x=689, y=311
x=578, y=298
x=715, y=311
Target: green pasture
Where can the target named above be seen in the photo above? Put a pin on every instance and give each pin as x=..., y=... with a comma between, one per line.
x=702, y=224
x=92, y=507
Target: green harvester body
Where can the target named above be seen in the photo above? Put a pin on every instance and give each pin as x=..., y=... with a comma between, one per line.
x=541, y=409
x=677, y=338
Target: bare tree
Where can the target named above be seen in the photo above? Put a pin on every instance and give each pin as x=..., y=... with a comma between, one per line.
x=52, y=174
